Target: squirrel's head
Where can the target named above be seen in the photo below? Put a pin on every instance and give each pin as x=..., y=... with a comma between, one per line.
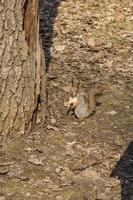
x=75, y=101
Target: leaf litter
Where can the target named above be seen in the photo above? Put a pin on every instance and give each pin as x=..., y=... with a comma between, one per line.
x=91, y=42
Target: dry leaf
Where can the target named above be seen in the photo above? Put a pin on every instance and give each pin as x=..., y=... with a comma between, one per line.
x=67, y=88
x=52, y=127
x=109, y=63
x=91, y=42
x=112, y=112
x=120, y=18
x=35, y=161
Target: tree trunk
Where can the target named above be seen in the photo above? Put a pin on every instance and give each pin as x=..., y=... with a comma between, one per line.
x=22, y=71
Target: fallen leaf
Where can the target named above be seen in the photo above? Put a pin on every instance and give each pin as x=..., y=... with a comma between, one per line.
x=109, y=63
x=55, y=84
x=67, y=88
x=53, y=121
x=52, y=127
x=16, y=171
x=60, y=47
x=4, y=170
x=120, y=18
x=58, y=169
x=91, y=42
x=36, y=161
x=112, y=112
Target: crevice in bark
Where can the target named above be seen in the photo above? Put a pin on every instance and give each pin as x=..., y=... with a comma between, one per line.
x=31, y=29
x=29, y=23
x=24, y=10
x=35, y=112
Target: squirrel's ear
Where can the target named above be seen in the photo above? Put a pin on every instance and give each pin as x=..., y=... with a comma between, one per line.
x=79, y=86
x=74, y=88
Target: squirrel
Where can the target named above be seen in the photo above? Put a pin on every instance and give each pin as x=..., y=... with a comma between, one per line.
x=82, y=104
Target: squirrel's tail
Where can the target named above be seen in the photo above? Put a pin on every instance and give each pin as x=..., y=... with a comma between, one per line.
x=92, y=98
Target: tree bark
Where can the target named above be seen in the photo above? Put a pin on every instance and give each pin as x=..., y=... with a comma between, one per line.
x=22, y=68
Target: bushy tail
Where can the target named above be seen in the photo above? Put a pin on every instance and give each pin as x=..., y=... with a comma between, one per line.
x=92, y=98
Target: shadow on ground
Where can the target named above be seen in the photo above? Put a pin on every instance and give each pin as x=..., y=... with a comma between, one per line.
x=124, y=172
x=48, y=13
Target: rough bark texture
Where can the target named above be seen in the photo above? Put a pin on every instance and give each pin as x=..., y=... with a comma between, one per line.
x=20, y=65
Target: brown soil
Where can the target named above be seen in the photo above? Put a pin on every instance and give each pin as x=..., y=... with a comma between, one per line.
x=91, y=42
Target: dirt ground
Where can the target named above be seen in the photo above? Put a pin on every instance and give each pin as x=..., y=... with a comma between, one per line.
x=91, y=42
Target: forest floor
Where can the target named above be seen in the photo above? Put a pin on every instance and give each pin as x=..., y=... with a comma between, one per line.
x=91, y=42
